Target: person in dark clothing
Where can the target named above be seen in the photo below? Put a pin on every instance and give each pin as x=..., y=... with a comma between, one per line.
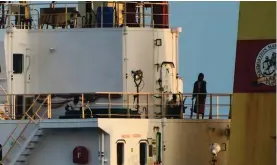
x=173, y=102
x=200, y=93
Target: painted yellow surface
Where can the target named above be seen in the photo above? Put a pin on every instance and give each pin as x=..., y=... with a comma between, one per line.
x=188, y=141
x=257, y=20
x=119, y=11
x=252, y=126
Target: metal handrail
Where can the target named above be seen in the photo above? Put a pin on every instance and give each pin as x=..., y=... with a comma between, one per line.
x=7, y=101
x=126, y=93
x=128, y=104
x=120, y=14
x=3, y=90
x=47, y=97
x=21, y=120
x=31, y=119
x=70, y=3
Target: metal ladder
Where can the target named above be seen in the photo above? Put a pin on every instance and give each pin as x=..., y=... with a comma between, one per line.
x=17, y=139
x=6, y=115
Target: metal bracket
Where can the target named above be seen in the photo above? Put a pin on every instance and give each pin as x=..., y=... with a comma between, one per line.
x=223, y=147
x=227, y=132
x=158, y=42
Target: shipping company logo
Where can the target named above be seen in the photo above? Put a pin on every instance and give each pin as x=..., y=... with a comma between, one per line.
x=265, y=65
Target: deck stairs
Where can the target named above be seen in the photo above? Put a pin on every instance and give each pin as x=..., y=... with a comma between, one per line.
x=23, y=139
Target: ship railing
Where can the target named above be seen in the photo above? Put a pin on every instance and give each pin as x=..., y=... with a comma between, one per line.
x=123, y=105
x=66, y=15
x=4, y=109
x=22, y=130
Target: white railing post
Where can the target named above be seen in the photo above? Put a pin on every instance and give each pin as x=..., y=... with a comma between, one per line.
x=217, y=107
x=13, y=107
x=211, y=106
x=83, y=106
x=66, y=17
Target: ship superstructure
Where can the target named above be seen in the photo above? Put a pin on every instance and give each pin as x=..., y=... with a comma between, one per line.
x=121, y=60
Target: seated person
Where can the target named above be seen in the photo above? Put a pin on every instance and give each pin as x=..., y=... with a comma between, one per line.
x=74, y=107
x=173, y=102
x=173, y=108
x=2, y=114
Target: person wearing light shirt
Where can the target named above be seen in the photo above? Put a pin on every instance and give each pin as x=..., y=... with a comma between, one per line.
x=74, y=106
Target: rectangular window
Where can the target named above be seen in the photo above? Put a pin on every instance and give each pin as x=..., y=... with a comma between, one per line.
x=18, y=60
x=142, y=153
x=120, y=153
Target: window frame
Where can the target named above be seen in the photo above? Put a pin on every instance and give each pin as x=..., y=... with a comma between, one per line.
x=21, y=70
x=145, y=161
x=122, y=142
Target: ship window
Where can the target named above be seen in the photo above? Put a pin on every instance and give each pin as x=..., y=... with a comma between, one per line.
x=17, y=63
x=143, y=153
x=120, y=153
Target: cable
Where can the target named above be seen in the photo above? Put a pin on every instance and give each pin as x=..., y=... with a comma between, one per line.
x=143, y=83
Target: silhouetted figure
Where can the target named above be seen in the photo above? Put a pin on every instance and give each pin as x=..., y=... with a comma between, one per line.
x=74, y=107
x=173, y=102
x=200, y=93
x=173, y=108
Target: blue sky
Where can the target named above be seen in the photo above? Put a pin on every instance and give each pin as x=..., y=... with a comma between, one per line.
x=207, y=42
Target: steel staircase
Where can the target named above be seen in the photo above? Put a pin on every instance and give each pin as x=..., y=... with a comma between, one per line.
x=23, y=139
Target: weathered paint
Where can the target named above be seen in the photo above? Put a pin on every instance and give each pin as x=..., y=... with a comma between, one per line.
x=245, y=80
x=254, y=104
x=252, y=126
x=257, y=20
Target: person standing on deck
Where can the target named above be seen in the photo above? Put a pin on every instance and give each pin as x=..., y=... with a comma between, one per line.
x=200, y=93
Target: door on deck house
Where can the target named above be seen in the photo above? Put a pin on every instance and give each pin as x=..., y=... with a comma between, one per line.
x=18, y=84
x=17, y=77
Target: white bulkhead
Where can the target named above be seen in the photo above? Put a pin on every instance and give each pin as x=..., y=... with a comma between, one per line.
x=3, y=70
x=92, y=60
x=49, y=59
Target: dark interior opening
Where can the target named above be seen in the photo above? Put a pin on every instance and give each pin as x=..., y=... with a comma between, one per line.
x=120, y=153
x=142, y=153
x=18, y=63
x=19, y=106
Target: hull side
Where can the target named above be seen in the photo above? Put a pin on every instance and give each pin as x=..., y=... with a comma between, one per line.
x=254, y=98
